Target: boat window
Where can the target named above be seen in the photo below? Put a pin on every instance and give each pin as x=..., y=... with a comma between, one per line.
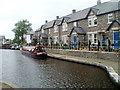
x=43, y=50
x=32, y=49
x=38, y=50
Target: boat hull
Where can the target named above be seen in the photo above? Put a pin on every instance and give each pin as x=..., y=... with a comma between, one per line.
x=42, y=56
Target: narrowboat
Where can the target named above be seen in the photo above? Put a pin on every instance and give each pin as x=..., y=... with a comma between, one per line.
x=35, y=52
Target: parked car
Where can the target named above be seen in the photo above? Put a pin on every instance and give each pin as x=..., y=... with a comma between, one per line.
x=15, y=46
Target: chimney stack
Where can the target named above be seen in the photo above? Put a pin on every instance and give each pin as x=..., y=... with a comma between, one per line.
x=57, y=17
x=46, y=21
x=73, y=11
x=98, y=2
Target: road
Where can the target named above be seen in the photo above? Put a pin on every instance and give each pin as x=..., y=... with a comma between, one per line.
x=27, y=72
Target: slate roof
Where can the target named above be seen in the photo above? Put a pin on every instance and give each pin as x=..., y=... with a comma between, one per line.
x=105, y=7
x=78, y=15
x=58, y=21
x=49, y=24
x=118, y=21
x=78, y=30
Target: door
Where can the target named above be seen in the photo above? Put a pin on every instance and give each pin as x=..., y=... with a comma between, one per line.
x=75, y=41
x=116, y=40
x=103, y=39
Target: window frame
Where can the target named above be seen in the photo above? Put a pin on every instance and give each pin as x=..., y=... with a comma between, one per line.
x=49, y=30
x=93, y=39
x=110, y=17
x=75, y=24
x=64, y=27
x=55, y=39
x=55, y=28
x=91, y=21
x=42, y=30
x=65, y=39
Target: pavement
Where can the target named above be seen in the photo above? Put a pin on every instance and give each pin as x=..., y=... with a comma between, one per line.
x=111, y=67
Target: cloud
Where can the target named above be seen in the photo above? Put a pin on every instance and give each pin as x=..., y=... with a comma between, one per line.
x=36, y=11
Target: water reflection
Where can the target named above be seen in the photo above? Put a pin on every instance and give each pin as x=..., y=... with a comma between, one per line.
x=27, y=72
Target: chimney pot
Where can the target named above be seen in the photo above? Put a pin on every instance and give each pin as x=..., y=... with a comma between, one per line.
x=73, y=11
x=57, y=17
x=98, y=2
x=46, y=21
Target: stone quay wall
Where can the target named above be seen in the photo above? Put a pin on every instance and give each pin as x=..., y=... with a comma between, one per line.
x=86, y=54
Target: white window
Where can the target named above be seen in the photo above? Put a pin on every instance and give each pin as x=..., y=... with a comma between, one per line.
x=49, y=31
x=90, y=37
x=42, y=30
x=93, y=38
x=65, y=39
x=49, y=41
x=89, y=22
x=95, y=21
x=92, y=21
x=55, y=28
x=64, y=27
x=110, y=18
x=55, y=39
x=75, y=24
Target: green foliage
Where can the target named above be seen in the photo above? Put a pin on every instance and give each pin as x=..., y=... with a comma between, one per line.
x=21, y=28
x=65, y=44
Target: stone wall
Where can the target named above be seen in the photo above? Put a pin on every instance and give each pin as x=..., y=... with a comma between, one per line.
x=87, y=54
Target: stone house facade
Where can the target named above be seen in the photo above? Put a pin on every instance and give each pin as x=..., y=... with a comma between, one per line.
x=100, y=22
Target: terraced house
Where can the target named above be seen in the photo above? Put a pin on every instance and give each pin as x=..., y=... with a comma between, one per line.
x=78, y=29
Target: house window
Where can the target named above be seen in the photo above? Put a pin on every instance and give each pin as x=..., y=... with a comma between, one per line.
x=55, y=28
x=93, y=38
x=95, y=21
x=64, y=27
x=89, y=22
x=55, y=39
x=49, y=41
x=42, y=30
x=49, y=31
x=90, y=37
x=64, y=39
x=92, y=21
x=110, y=18
x=75, y=24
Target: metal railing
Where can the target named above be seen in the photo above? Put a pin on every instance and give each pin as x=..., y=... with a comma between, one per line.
x=108, y=45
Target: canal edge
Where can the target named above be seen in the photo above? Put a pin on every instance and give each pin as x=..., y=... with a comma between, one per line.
x=8, y=85
x=114, y=77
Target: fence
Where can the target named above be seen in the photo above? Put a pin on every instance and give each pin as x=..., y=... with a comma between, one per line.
x=108, y=45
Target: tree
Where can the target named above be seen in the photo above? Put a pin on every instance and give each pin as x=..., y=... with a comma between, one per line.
x=21, y=28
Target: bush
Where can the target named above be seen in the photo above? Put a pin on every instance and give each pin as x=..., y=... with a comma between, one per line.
x=65, y=44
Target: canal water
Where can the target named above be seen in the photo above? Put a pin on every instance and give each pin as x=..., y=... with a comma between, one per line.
x=27, y=72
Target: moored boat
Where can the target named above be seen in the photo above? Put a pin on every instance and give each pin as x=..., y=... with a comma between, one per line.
x=35, y=52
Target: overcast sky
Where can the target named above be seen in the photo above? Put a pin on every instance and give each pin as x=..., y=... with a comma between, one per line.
x=36, y=11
